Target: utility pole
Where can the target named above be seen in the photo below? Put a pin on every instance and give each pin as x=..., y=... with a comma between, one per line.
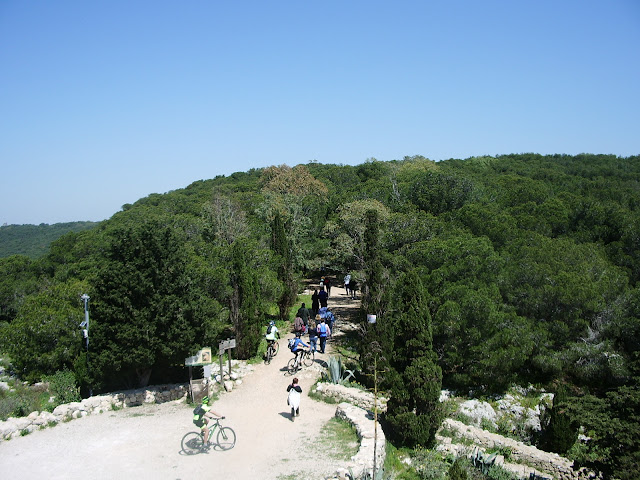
x=85, y=332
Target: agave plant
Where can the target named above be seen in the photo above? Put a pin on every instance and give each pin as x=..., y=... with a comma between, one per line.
x=336, y=371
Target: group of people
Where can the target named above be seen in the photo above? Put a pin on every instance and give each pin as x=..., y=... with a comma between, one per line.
x=317, y=322
x=318, y=327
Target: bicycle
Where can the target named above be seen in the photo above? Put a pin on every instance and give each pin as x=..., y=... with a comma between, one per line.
x=272, y=351
x=193, y=442
x=306, y=358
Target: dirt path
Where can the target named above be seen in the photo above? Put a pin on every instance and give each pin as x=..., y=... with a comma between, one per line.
x=144, y=442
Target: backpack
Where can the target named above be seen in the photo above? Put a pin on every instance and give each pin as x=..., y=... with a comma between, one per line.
x=292, y=344
x=322, y=329
x=198, y=414
x=269, y=329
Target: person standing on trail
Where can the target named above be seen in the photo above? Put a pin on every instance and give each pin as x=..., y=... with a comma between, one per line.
x=293, y=400
x=347, y=279
x=303, y=313
x=323, y=333
x=298, y=325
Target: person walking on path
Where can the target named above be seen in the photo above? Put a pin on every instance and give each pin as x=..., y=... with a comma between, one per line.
x=322, y=296
x=298, y=325
x=303, y=313
x=315, y=302
x=313, y=334
x=293, y=400
x=323, y=333
x=327, y=285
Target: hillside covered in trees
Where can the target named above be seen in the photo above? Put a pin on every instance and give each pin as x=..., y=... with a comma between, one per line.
x=521, y=269
x=33, y=240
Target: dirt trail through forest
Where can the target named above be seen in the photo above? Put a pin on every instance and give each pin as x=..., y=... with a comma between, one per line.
x=144, y=442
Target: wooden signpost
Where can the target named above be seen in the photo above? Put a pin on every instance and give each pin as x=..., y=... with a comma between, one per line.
x=225, y=345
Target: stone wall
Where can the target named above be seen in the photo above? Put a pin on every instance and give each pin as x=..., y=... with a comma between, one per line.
x=361, y=398
x=371, y=439
x=539, y=461
x=98, y=404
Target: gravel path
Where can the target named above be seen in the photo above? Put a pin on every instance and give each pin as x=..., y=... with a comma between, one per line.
x=144, y=442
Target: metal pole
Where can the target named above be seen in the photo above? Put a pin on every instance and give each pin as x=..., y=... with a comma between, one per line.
x=85, y=333
x=375, y=413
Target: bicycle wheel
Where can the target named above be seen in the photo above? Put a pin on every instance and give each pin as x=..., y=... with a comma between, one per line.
x=192, y=443
x=308, y=359
x=226, y=438
x=269, y=354
x=292, y=366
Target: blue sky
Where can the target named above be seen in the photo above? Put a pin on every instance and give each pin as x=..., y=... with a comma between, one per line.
x=102, y=103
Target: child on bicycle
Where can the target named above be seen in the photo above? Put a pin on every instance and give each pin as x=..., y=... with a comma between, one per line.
x=297, y=348
x=203, y=418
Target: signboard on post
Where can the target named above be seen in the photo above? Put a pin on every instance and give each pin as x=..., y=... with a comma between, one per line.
x=225, y=345
x=203, y=357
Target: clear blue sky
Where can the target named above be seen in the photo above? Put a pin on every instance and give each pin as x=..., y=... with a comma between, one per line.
x=105, y=102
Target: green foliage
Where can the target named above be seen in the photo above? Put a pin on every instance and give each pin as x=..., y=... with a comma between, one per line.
x=45, y=337
x=142, y=306
x=413, y=409
x=561, y=433
x=33, y=241
x=457, y=471
x=336, y=371
x=282, y=248
x=63, y=387
x=612, y=422
x=529, y=264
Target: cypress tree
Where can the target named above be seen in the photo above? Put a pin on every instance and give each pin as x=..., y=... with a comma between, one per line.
x=560, y=434
x=245, y=308
x=413, y=410
x=282, y=247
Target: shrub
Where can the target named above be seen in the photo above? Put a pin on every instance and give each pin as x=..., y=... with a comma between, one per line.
x=63, y=387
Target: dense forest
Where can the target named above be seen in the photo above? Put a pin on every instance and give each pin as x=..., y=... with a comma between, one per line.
x=33, y=241
x=483, y=273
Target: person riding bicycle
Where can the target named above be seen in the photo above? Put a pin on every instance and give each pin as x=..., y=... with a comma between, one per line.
x=203, y=415
x=296, y=347
x=272, y=334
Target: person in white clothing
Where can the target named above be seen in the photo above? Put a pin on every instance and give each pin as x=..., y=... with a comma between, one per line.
x=295, y=392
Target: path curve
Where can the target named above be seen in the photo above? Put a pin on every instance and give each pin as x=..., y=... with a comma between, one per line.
x=144, y=442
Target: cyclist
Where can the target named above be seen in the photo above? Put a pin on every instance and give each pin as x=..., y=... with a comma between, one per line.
x=296, y=348
x=203, y=416
x=272, y=334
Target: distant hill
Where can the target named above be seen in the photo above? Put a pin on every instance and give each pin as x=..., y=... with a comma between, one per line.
x=33, y=240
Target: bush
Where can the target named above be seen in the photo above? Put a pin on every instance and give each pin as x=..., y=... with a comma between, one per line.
x=19, y=403
x=63, y=387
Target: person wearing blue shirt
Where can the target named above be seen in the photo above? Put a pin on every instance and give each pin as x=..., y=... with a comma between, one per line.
x=297, y=348
x=323, y=332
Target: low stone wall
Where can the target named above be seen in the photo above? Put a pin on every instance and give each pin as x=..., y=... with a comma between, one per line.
x=548, y=463
x=370, y=439
x=98, y=404
x=360, y=398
